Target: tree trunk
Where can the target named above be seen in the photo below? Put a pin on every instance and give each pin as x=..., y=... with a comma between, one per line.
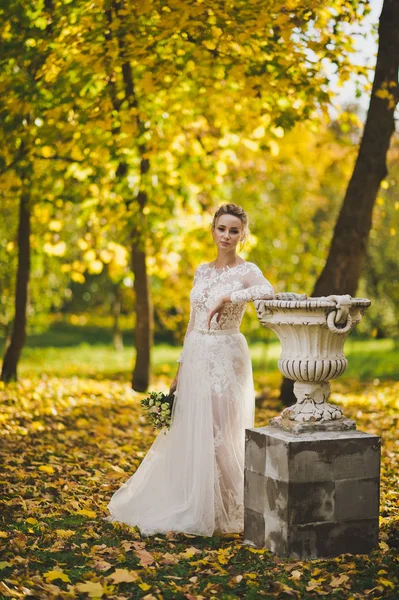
x=348, y=247
x=143, y=333
x=18, y=336
x=144, y=314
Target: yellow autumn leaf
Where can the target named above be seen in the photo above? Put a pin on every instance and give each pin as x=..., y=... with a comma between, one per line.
x=77, y=154
x=56, y=574
x=338, y=581
x=105, y=256
x=47, y=151
x=274, y=148
x=312, y=585
x=3, y=534
x=144, y=586
x=86, y=513
x=123, y=576
x=93, y=589
x=83, y=245
x=170, y=559
x=146, y=557
x=382, y=93
x=32, y=521
x=89, y=256
x=224, y=555
x=283, y=588
x=386, y=583
x=55, y=225
x=383, y=546
x=65, y=533
x=316, y=572
x=47, y=469
x=55, y=249
x=251, y=145
x=78, y=277
x=189, y=552
x=95, y=267
x=102, y=565
x=259, y=132
x=277, y=131
x=296, y=575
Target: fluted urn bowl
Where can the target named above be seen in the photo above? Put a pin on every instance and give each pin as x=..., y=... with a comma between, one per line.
x=312, y=332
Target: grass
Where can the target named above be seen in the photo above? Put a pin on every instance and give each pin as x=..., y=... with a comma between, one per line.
x=71, y=350
x=72, y=432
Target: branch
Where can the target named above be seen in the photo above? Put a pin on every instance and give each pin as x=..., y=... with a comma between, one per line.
x=66, y=158
x=21, y=154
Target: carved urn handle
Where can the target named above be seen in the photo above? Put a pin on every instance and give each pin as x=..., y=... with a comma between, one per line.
x=339, y=320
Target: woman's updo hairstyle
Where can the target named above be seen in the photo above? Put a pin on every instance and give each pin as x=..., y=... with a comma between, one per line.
x=235, y=211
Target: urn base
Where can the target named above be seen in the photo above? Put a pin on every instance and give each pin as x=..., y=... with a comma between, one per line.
x=295, y=427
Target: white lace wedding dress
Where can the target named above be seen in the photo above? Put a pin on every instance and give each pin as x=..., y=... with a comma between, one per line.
x=192, y=478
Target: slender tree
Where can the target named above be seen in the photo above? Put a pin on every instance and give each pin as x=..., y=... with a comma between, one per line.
x=23, y=166
x=18, y=336
x=144, y=322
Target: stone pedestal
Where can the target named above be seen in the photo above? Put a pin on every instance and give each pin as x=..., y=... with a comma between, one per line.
x=313, y=494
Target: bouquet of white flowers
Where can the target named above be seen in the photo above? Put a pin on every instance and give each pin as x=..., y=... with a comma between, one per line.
x=158, y=407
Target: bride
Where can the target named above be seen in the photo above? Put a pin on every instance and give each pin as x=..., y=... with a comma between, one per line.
x=192, y=478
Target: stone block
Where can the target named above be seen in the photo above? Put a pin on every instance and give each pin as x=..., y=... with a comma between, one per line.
x=277, y=459
x=276, y=534
x=331, y=539
x=254, y=528
x=255, y=450
x=265, y=495
x=254, y=492
x=314, y=494
x=306, y=464
x=312, y=502
x=358, y=458
x=276, y=498
x=257, y=529
x=357, y=499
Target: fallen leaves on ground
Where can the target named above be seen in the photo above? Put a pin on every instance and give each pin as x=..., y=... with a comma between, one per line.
x=68, y=444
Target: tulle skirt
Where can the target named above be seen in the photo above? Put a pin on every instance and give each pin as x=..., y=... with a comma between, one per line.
x=192, y=478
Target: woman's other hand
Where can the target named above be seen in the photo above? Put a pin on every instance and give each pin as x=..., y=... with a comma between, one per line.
x=173, y=385
x=218, y=310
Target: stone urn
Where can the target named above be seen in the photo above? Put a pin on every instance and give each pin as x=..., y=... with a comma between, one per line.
x=312, y=332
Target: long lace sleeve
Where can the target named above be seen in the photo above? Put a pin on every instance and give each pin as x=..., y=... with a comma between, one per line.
x=256, y=287
x=190, y=327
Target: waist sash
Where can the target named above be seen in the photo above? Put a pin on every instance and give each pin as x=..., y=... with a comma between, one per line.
x=217, y=331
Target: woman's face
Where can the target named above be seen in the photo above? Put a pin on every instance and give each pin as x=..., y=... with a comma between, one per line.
x=228, y=232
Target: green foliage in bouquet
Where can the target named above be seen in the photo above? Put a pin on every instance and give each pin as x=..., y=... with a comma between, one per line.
x=158, y=407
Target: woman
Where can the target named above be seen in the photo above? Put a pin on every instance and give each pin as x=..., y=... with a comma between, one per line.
x=192, y=478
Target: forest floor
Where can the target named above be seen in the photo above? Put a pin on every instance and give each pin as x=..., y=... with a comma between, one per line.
x=68, y=441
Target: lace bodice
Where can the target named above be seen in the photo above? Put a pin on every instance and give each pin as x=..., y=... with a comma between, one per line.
x=243, y=283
